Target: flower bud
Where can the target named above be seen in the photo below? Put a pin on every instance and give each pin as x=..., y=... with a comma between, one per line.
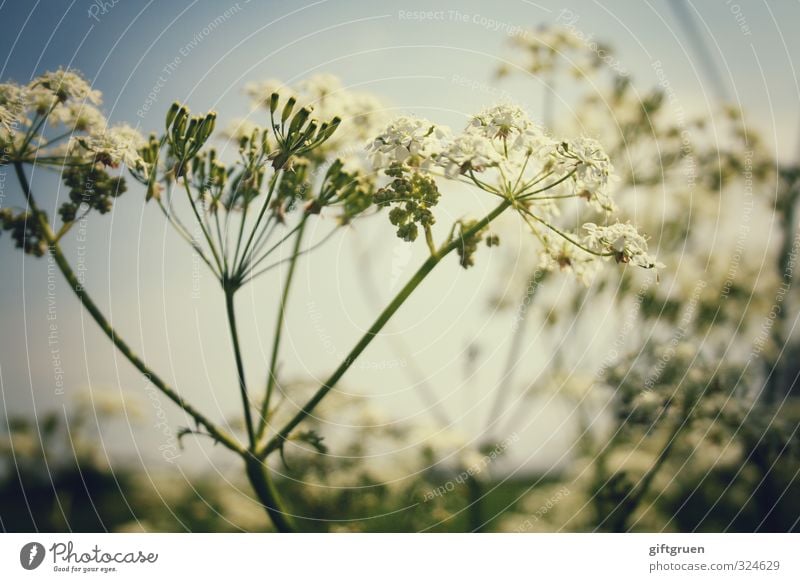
x=299, y=120
x=287, y=109
x=273, y=103
x=172, y=113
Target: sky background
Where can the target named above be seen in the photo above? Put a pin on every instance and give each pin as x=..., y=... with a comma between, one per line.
x=144, y=55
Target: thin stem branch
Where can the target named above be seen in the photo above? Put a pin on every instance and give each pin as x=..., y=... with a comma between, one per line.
x=281, y=436
x=245, y=259
x=77, y=287
x=524, y=195
x=184, y=234
x=276, y=345
x=305, y=251
x=206, y=234
x=564, y=235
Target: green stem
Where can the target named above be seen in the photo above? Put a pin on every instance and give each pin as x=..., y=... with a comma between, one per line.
x=237, y=352
x=273, y=364
x=564, y=235
x=277, y=441
x=76, y=286
x=221, y=273
x=260, y=480
x=525, y=195
x=429, y=240
x=243, y=263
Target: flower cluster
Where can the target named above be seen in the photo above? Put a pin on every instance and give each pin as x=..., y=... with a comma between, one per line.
x=92, y=187
x=362, y=114
x=63, y=99
x=65, y=85
x=24, y=230
x=592, y=171
x=504, y=153
x=54, y=121
x=412, y=195
x=620, y=241
x=408, y=141
x=114, y=146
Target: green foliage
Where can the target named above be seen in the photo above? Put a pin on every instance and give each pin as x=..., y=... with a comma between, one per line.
x=411, y=195
x=25, y=231
x=92, y=187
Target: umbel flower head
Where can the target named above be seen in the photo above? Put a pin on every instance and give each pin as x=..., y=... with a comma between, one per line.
x=502, y=152
x=66, y=84
x=622, y=242
x=117, y=145
x=408, y=141
x=54, y=121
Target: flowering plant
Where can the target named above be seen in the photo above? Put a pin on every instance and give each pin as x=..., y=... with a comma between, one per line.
x=289, y=171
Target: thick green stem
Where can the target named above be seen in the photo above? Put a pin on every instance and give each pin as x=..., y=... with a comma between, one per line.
x=475, y=498
x=77, y=287
x=237, y=353
x=276, y=346
x=277, y=441
x=260, y=480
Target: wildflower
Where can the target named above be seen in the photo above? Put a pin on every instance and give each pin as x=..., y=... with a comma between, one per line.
x=7, y=120
x=12, y=99
x=409, y=141
x=469, y=152
x=78, y=116
x=67, y=84
x=501, y=121
x=592, y=170
x=118, y=144
x=622, y=242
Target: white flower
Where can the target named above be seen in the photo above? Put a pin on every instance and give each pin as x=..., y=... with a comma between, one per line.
x=501, y=121
x=620, y=241
x=118, y=144
x=592, y=170
x=78, y=116
x=469, y=152
x=67, y=84
x=12, y=106
x=7, y=120
x=407, y=140
x=505, y=137
x=41, y=100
